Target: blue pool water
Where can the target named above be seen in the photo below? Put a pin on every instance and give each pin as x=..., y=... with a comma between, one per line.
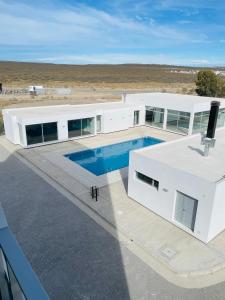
x=109, y=158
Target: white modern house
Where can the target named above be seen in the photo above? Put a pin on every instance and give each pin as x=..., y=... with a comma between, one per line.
x=172, y=179
x=177, y=182
x=34, y=126
x=181, y=114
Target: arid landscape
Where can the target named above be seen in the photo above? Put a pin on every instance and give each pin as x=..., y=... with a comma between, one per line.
x=91, y=83
x=113, y=76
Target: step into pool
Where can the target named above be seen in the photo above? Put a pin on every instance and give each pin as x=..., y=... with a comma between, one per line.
x=109, y=158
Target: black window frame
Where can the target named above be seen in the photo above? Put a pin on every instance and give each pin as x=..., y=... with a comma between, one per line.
x=148, y=180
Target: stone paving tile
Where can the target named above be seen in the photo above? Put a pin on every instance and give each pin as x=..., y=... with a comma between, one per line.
x=146, y=228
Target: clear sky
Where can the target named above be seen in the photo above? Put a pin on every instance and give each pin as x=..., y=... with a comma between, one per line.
x=183, y=32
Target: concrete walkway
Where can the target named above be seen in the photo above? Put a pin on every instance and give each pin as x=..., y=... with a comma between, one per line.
x=174, y=254
x=67, y=246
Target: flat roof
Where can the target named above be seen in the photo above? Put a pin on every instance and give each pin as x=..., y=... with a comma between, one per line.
x=187, y=155
x=179, y=97
x=68, y=109
x=173, y=101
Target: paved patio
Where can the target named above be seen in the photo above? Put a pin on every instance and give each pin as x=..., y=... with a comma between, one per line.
x=73, y=256
x=173, y=253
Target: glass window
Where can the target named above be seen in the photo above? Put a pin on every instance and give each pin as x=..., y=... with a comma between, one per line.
x=4, y=284
x=74, y=128
x=149, y=117
x=136, y=117
x=87, y=126
x=201, y=120
x=39, y=133
x=99, y=123
x=178, y=121
x=80, y=127
x=221, y=118
x=154, y=116
x=9, y=287
x=147, y=180
x=50, y=132
x=15, y=287
x=156, y=184
x=34, y=134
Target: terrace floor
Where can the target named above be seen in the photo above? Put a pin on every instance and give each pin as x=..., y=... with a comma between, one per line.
x=171, y=252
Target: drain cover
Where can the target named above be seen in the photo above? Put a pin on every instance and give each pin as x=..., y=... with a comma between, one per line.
x=168, y=252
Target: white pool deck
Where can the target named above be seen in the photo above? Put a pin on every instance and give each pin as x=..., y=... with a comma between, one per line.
x=173, y=253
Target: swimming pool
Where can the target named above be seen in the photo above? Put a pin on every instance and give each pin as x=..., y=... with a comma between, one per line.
x=111, y=157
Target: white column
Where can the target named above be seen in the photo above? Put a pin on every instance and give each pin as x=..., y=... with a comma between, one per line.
x=191, y=122
x=165, y=119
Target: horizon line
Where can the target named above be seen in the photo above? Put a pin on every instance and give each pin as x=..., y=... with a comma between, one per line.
x=114, y=64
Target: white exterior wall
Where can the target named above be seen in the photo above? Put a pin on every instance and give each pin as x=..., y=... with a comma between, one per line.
x=112, y=120
x=121, y=119
x=162, y=201
x=62, y=129
x=62, y=125
x=11, y=128
x=218, y=212
x=115, y=120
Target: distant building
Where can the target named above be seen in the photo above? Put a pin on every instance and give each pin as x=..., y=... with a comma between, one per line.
x=36, y=89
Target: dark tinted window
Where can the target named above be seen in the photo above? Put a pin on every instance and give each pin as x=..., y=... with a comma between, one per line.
x=74, y=128
x=34, y=134
x=50, y=132
x=148, y=180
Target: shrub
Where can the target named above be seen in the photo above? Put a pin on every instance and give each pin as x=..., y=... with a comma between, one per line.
x=206, y=83
x=220, y=88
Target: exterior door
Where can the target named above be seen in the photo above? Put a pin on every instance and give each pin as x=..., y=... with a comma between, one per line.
x=136, y=117
x=99, y=123
x=186, y=209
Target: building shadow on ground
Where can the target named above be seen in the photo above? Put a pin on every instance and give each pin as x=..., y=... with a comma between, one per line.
x=74, y=257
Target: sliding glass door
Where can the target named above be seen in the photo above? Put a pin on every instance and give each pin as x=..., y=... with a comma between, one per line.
x=80, y=127
x=74, y=128
x=41, y=133
x=178, y=121
x=50, y=132
x=34, y=134
x=87, y=126
x=154, y=116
